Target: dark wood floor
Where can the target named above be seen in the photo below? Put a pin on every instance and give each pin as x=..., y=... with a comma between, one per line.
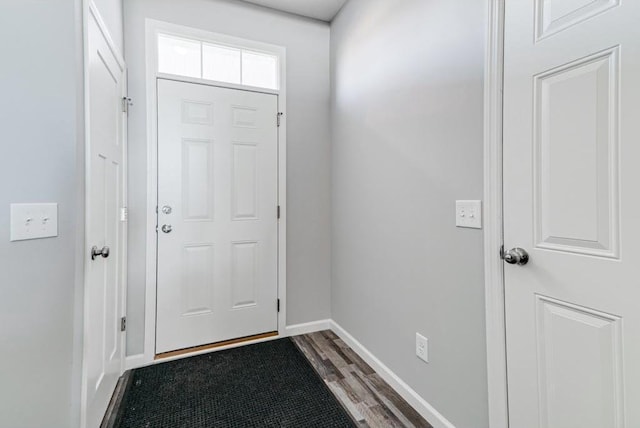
x=369, y=399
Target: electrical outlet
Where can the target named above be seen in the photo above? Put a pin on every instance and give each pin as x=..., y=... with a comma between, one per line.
x=422, y=347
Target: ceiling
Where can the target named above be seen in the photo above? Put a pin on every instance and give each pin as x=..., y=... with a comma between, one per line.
x=324, y=10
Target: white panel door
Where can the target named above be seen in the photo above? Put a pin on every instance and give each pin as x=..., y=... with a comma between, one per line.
x=217, y=214
x=105, y=190
x=572, y=200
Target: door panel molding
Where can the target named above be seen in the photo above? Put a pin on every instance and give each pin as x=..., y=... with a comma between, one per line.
x=548, y=23
x=555, y=215
x=591, y=364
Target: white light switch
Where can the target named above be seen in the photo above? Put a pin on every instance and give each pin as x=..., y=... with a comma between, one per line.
x=33, y=221
x=469, y=214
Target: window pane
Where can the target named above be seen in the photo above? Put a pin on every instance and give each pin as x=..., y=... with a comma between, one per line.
x=221, y=63
x=178, y=56
x=259, y=70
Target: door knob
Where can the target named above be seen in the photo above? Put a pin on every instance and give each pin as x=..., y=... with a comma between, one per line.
x=104, y=252
x=167, y=228
x=167, y=209
x=516, y=256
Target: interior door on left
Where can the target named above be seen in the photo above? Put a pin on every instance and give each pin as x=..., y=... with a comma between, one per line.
x=105, y=232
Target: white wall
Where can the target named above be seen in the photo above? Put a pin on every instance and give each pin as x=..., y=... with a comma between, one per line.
x=407, y=141
x=40, y=280
x=308, y=138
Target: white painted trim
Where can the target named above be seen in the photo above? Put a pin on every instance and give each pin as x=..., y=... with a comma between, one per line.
x=152, y=200
x=152, y=28
x=493, y=215
x=308, y=327
x=90, y=11
x=134, y=361
x=187, y=79
x=425, y=409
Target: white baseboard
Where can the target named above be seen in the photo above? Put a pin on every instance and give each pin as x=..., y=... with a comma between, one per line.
x=308, y=327
x=425, y=409
x=134, y=361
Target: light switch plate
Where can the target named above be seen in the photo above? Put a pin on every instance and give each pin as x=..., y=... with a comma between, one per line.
x=33, y=221
x=469, y=214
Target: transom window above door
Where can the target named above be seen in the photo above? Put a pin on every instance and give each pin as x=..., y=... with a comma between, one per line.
x=216, y=62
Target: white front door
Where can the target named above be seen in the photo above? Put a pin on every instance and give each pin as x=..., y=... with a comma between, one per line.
x=572, y=200
x=217, y=214
x=105, y=192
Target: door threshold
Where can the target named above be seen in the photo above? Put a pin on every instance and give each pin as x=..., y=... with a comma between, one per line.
x=210, y=346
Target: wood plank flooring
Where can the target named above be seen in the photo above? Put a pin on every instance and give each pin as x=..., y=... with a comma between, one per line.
x=369, y=399
x=114, y=410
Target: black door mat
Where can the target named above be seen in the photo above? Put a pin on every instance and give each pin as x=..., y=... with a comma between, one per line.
x=269, y=384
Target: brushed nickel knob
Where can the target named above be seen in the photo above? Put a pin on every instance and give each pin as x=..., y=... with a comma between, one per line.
x=104, y=252
x=516, y=256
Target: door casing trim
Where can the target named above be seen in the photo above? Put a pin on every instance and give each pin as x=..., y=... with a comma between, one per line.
x=152, y=28
x=493, y=214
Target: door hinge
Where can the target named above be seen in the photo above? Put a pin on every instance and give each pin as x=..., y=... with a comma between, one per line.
x=124, y=214
x=279, y=115
x=278, y=212
x=278, y=304
x=126, y=103
x=123, y=323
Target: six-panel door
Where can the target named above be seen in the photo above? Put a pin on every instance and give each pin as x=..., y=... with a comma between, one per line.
x=217, y=214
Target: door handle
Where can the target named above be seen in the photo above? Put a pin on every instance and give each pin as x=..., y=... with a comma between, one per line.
x=167, y=228
x=516, y=256
x=104, y=252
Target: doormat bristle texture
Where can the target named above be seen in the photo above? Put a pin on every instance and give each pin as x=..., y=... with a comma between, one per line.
x=270, y=384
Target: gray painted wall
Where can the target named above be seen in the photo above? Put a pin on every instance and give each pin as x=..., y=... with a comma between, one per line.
x=407, y=141
x=308, y=139
x=41, y=280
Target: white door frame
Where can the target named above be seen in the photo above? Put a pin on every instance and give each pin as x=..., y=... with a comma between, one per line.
x=89, y=11
x=493, y=214
x=152, y=28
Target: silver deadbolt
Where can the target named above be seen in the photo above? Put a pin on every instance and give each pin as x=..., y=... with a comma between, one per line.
x=167, y=209
x=516, y=256
x=104, y=252
x=167, y=228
